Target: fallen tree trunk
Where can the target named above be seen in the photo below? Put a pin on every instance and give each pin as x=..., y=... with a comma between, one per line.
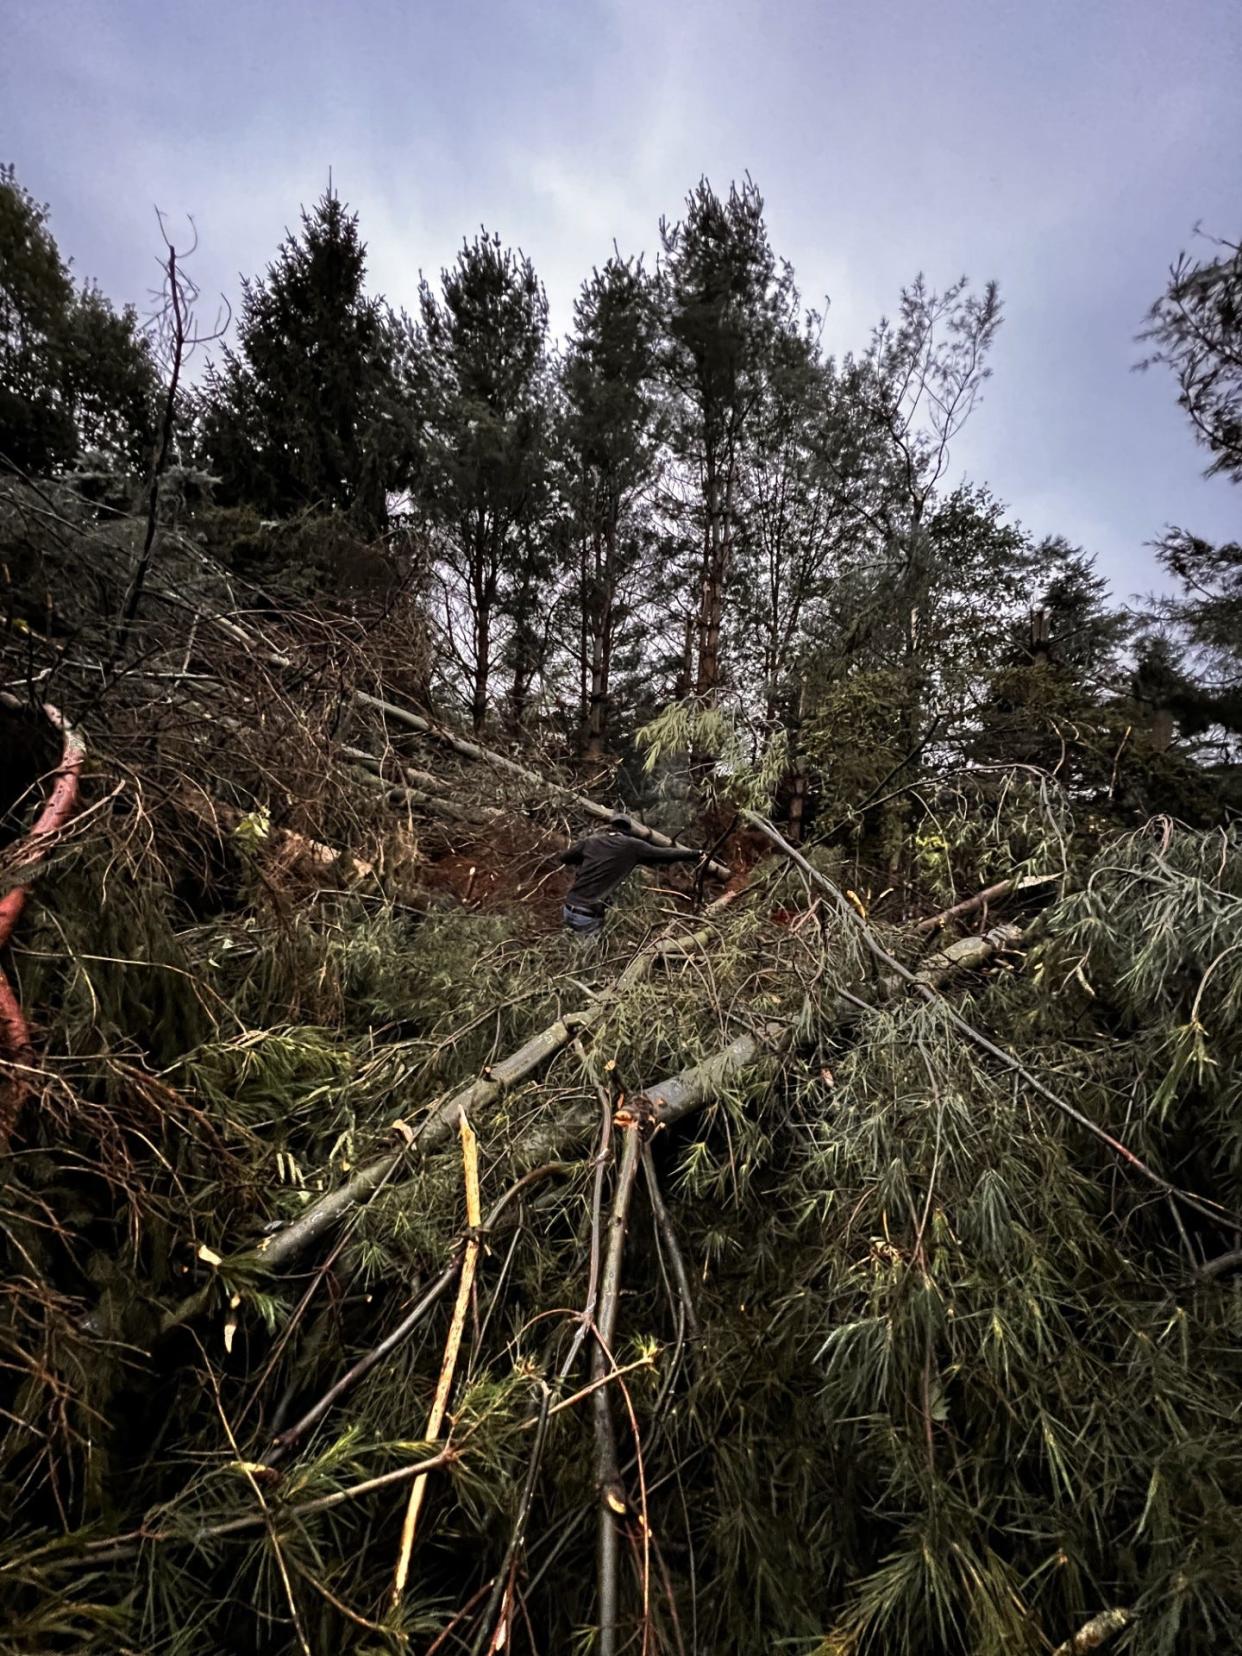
x=285, y=1244
x=420, y=779
x=469, y=749
x=487, y=756
x=1207, y=1209
x=396, y=793
x=677, y=1096
x=981, y=899
x=670, y=1101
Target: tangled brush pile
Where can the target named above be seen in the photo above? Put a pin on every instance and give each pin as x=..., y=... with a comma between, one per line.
x=383, y=1272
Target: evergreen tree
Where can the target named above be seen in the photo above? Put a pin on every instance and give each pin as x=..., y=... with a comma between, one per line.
x=974, y=591
x=725, y=298
x=1199, y=661
x=920, y=381
x=808, y=469
x=608, y=439
x=1058, y=698
x=482, y=466
x=1073, y=622
x=311, y=409
x=902, y=595
x=76, y=376
x=1196, y=327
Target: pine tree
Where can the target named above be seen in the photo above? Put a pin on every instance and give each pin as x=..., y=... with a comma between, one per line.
x=1073, y=622
x=1059, y=695
x=1196, y=328
x=724, y=296
x=482, y=375
x=76, y=376
x=311, y=409
x=607, y=440
x=805, y=473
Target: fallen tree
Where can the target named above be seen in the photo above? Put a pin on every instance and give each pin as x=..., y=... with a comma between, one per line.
x=441, y=1121
x=542, y=785
x=890, y=1315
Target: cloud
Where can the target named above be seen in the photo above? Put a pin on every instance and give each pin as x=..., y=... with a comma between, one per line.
x=1065, y=149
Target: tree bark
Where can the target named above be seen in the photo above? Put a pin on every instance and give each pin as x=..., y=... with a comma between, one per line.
x=601, y=650
x=609, y=1488
x=482, y=668
x=981, y=899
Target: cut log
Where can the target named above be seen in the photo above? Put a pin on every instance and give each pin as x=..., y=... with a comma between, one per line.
x=302, y=851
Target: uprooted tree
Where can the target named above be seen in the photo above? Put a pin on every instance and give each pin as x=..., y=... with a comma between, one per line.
x=841, y=1256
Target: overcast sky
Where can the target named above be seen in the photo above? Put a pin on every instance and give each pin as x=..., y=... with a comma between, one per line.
x=1066, y=147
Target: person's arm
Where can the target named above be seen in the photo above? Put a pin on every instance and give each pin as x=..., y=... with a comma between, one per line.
x=649, y=854
x=573, y=855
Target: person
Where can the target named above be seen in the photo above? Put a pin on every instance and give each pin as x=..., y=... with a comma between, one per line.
x=603, y=861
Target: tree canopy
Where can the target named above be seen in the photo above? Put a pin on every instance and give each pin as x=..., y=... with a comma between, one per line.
x=309, y=409
x=76, y=376
x=835, y=1252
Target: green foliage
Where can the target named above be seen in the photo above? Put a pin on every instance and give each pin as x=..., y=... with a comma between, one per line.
x=76, y=377
x=956, y=1387
x=482, y=370
x=958, y=1377
x=731, y=765
x=1196, y=329
x=313, y=559
x=724, y=298
x=1198, y=677
x=606, y=447
x=311, y=410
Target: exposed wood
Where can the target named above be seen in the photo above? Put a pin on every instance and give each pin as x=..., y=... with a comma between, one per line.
x=303, y=851
x=423, y=1306
x=1096, y=1632
x=452, y=1349
x=981, y=899
x=323, y=1214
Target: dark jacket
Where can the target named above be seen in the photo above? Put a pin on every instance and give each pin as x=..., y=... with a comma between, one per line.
x=604, y=860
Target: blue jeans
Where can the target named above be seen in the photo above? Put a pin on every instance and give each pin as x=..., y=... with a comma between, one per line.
x=586, y=925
